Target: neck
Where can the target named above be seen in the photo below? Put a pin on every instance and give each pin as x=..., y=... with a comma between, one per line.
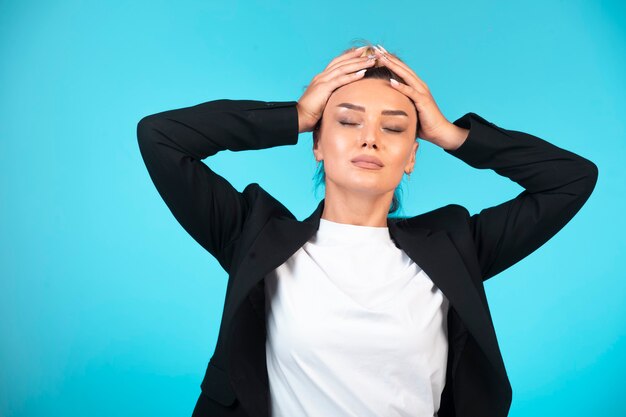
x=356, y=208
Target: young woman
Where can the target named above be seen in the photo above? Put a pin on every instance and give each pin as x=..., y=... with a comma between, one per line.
x=352, y=312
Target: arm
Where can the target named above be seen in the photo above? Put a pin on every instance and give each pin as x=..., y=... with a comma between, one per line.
x=173, y=143
x=556, y=184
x=455, y=138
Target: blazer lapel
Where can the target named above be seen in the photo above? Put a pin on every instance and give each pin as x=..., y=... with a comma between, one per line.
x=435, y=253
x=432, y=250
x=280, y=238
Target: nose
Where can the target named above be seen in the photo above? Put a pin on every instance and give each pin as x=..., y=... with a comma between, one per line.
x=369, y=139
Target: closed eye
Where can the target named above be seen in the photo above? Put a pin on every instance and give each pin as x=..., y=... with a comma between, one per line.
x=386, y=128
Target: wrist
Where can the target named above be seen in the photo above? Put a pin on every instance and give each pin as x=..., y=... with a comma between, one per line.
x=304, y=124
x=454, y=137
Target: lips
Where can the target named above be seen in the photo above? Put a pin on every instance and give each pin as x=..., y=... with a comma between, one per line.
x=367, y=161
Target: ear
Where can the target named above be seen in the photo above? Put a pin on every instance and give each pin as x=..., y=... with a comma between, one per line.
x=317, y=149
x=411, y=164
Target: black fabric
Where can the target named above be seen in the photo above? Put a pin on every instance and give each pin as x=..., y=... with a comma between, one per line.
x=251, y=233
x=208, y=407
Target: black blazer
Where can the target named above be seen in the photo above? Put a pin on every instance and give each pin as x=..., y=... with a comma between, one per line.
x=250, y=233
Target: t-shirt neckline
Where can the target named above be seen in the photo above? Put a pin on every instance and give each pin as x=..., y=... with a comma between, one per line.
x=335, y=232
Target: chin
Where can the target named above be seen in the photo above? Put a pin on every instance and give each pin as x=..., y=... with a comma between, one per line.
x=366, y=186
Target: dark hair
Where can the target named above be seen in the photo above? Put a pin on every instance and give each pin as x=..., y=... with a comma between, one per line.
x=377, y=71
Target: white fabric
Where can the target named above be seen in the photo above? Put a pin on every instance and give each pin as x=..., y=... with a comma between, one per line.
x=354, y=328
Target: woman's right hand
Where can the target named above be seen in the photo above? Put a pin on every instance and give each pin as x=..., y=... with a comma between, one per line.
x=344, y=69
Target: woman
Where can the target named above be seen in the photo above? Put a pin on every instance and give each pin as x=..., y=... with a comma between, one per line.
x=350, y=311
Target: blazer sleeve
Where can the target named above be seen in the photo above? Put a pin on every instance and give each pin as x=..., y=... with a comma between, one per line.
x=556, y=184
x=173, y=144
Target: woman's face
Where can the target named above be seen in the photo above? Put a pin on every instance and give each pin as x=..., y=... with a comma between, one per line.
x=367, y=117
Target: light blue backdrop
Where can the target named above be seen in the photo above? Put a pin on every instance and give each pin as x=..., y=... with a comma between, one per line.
x=108, y=307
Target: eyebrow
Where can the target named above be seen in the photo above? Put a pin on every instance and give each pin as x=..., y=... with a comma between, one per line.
x=361, y=108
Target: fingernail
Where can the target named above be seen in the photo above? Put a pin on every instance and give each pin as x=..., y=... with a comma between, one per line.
x=394, y=82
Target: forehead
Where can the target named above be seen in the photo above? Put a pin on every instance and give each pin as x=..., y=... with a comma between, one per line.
x=373, y=94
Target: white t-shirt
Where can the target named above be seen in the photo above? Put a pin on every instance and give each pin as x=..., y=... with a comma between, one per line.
x=354, y=328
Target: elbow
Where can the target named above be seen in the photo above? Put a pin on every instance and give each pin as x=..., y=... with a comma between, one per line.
x=593, y=169
x=593, y=176
x=145, y=129
x=589, y=180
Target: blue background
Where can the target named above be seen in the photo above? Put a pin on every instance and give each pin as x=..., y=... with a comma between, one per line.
x=108, y=307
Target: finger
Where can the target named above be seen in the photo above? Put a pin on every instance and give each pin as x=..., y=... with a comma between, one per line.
x=407, y=76
x=344, y=79
x=387, y=57
x=403, y=70
x=350, y=53
x=346, y=62
x=347, y=67
x=344, y=74
x=343, y=67
x=407, y=90
x=343, y=58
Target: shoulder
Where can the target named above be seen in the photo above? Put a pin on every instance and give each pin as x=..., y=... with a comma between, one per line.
x=451, y=218
x=262, y=206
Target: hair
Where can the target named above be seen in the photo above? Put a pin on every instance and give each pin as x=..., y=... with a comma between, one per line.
x=378, y=71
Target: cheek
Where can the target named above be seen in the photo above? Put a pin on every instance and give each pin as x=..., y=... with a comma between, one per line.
x=336, y=161
x=338, y=146
x=399, y=156
x=338, y=150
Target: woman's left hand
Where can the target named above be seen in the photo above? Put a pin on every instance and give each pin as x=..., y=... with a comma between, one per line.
x=434, y=127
